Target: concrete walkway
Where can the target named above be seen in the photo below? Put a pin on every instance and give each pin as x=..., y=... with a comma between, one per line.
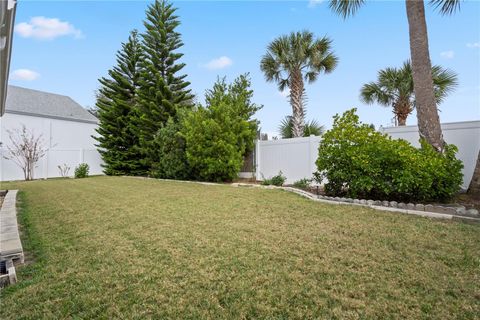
x=10, y=244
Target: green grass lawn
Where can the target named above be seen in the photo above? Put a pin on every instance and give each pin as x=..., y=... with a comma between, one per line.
x=112, y=247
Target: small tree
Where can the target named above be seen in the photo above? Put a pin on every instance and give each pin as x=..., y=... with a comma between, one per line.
x=25, y=150
x=218, y=135
x=64, y=169
x=292, y=59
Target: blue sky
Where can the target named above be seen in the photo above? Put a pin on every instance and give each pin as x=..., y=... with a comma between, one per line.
x=65, y=46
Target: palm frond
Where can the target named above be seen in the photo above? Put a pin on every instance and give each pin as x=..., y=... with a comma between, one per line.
x=270, y=67
x=311, y=128
x=373, y=92
x=446, y=6
x=346, y=8
x=444, y=82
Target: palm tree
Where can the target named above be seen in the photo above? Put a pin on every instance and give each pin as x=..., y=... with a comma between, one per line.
x=474, y=187
x=292, y=58
x=394, y=87
x=311, y=128
x=427, y=114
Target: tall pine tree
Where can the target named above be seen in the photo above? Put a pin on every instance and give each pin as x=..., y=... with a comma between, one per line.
x=116, y=103
x=162, y=91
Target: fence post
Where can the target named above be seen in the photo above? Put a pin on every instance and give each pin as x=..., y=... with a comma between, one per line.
x=313, y=154
x=257, y=159
x=45, y=165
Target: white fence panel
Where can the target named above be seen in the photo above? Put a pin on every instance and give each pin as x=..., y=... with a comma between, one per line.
x=47, y=167
x=55, y=158
x=94, y=160
x=296, y=157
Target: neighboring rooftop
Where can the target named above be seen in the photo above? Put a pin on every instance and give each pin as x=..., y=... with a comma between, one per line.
x=45, y=104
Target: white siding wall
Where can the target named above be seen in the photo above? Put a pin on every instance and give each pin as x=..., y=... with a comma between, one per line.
x=68, y=142
x=296, y=157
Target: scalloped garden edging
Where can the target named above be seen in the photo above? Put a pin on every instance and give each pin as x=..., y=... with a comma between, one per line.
x=431, y=211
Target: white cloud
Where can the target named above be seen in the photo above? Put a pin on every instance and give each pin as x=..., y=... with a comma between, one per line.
x=47, y=29
x=219, y=63
x=447, y=54
x=24, y=75
x=473, y=45
x=314, y=3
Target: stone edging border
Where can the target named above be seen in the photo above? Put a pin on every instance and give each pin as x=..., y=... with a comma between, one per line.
x=448, y=213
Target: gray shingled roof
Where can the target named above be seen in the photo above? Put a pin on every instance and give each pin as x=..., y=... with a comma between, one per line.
x=44, y=104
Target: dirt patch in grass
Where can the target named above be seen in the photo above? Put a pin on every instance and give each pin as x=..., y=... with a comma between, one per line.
x=133, y=248
x=468, y=201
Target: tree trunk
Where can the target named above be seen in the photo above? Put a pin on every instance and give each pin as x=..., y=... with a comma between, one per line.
x=296, y=100
x=402, y=119
x=402, y=108
x=474, y=187
x=427, y=114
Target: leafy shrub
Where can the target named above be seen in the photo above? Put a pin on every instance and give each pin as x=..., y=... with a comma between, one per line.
x=360, y=162
x=170, y=157
x=277, y=180
x=218, y=135
x=81, y=171
x=302, y=183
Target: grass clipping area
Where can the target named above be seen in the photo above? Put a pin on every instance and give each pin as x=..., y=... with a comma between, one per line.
x=112, y=247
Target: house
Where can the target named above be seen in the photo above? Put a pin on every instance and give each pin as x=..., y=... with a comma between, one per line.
x=7, y=18
x=65, y=126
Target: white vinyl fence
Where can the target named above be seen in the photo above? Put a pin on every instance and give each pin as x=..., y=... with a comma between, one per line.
x=68, y=142
x=296, y=157
x=47, y=167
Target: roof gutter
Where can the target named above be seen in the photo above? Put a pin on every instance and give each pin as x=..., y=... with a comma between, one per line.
x=7, y=19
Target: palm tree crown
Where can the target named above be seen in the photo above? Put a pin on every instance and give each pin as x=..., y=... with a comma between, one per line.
x=394, y=87
x=293, y=58
x=346, y=8
x=311, y=128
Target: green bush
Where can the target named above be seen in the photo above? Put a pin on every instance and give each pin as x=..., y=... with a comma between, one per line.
x=212, y=151
x=218, y=135
x=357, y=161
x=277, y=180
x=170, y=157
x=81, y=171
x=302, y=183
